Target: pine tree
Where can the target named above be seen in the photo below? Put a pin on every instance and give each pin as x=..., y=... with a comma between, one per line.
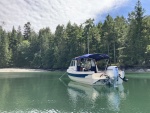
x=19, y=35
x=146, y=36
x=108, y=36
x=121, y=39
x=135, y=36
x=13, y=46
x=4, y=51
x=27, y=31
x=89, y=24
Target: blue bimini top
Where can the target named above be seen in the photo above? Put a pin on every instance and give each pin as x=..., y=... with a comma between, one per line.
x=95, y=56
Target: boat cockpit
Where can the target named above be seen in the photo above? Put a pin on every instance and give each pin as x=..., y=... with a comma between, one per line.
x=87, y=64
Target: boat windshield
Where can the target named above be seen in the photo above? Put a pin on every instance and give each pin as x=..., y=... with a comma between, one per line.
x=72, y=63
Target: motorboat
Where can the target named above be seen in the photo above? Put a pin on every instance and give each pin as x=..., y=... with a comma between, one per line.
x=84, y=69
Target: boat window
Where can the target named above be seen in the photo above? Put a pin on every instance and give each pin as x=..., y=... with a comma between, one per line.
x=72, y=63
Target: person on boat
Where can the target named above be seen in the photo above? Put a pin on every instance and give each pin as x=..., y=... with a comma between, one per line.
x=78, y=65
x=87, y=65
x=81, y=64
x=93, y=66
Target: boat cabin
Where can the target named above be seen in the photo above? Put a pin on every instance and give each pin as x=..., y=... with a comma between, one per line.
x=87, y=62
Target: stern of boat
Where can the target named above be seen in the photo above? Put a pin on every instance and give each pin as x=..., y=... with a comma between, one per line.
x=100, y=78
x=116, y=75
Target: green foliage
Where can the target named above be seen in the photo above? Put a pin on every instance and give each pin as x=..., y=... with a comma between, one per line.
x=127, y=41
x=136, y=46
x=108, y=35
x=4, y=51
x=148, y=49
x=27, y=31
x=23, y=54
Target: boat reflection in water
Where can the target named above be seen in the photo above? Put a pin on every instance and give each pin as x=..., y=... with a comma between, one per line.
x=83, y=90
x=97, y=96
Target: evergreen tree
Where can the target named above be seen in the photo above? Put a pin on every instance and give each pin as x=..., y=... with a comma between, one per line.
x=44, y=36
x=95, y=40
x=19, y=35
x=73, y=40
x=121, y=28
x=146, y=36
x=23, y=54
x=13, y=46
x=27, y=31
x=59, y=50
x=135, y=36
x=4, y=51
x=108, y=36
x=89, y=24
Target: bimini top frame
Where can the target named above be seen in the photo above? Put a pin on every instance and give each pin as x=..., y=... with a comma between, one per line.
x=95, y=56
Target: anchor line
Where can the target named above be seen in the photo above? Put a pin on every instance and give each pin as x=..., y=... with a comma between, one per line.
x=62, y=75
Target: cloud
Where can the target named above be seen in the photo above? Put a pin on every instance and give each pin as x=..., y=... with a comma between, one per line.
x=50, y=13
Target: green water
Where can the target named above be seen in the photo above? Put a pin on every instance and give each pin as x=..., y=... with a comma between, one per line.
x=44, y=92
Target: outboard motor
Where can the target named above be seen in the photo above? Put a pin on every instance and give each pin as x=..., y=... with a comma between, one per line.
x=112, y=72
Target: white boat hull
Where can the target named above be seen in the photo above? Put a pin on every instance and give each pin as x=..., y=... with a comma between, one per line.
x=90, y=78
x=99, y=78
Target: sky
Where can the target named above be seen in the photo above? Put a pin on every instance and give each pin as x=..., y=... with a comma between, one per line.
x=50, y=13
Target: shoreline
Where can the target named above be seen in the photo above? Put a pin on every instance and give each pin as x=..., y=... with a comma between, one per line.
x=42, y=70
x=141, y=70
x=21, y=70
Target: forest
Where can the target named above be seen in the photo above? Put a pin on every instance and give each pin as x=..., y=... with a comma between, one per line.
x=125, y=40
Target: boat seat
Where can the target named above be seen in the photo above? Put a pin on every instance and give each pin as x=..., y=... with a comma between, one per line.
x=98, y=76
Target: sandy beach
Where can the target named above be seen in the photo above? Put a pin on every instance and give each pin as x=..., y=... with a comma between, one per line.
x=21, y=70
